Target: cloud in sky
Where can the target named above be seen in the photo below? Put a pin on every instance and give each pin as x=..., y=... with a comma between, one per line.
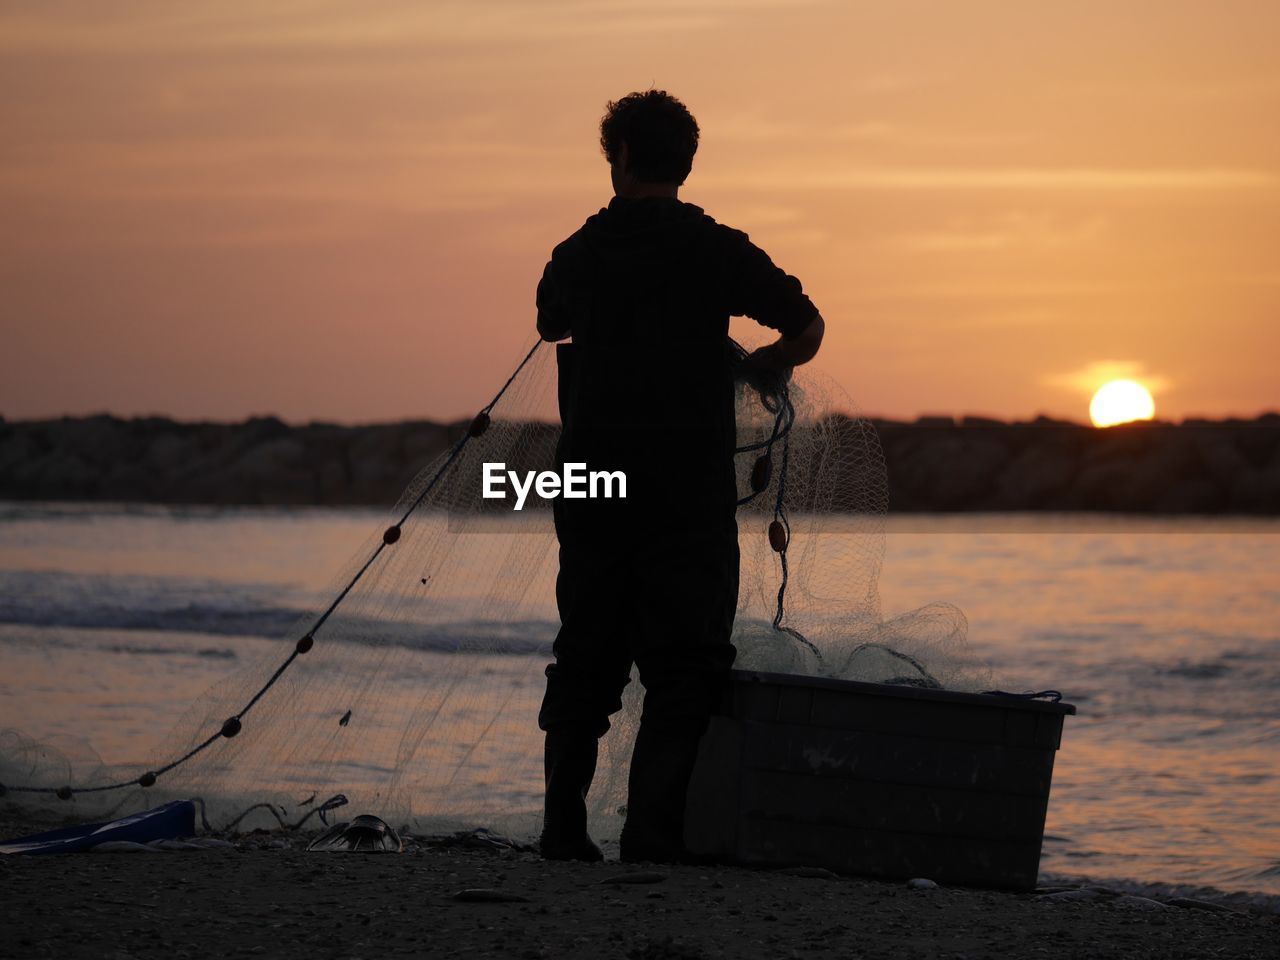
x=1019, y=178
x=1087, y=379
x=77, y=25
x=1012, y=229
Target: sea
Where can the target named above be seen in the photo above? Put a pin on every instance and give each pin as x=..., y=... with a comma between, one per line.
x=1163, y=632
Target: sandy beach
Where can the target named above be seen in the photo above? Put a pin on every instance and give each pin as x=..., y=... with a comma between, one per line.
x=268, y=897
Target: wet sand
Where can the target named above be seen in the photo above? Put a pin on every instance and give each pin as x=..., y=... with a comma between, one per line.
x=264, y=898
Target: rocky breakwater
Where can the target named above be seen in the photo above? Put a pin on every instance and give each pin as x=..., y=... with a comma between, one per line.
x=934, y=463
x=260, y=461
x=975, y=464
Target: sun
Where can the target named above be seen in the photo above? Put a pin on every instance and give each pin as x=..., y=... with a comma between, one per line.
x=1121, y=401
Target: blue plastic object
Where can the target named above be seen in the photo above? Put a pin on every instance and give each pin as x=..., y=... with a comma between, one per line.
x=167, y=822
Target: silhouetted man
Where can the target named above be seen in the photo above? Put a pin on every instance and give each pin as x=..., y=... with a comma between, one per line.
x=645, y=289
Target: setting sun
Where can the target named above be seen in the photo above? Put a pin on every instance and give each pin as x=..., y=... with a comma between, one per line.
x=1121, y=401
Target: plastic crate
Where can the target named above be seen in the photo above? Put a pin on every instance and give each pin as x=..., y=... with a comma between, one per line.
x=878, y=780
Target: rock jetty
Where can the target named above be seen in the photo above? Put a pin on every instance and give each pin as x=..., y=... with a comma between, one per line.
x=935, y=464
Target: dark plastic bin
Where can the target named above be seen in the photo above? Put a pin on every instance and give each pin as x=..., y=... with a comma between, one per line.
x=873, y=779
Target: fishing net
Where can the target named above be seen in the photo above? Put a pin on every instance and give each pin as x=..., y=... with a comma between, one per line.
x=413, y=692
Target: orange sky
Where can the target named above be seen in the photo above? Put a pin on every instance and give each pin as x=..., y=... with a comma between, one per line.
x=339, y=210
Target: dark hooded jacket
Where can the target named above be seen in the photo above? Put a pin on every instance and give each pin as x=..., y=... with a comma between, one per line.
x=646, y=288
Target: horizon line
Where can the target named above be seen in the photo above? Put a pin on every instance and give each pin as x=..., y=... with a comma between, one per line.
x=921, y=419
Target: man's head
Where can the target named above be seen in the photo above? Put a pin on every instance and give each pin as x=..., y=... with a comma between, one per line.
x=649, y=138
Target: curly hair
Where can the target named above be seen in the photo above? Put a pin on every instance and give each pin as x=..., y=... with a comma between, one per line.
x=659, y=131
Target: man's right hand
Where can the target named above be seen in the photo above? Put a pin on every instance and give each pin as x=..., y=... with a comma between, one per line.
x=762, y=371
x=769, y=367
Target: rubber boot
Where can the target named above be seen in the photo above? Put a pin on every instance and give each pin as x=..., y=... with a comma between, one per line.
x=570, y=764
x=657, y=789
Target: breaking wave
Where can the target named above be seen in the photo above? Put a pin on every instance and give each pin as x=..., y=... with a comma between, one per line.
x=216, y=608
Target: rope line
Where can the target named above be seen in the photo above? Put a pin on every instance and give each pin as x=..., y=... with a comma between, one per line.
x=270, y=683
x=787, y=412
x=926, y=679
x=187, y=756
x=232, y=725
x=780, y=516
x=778, y=402
x=783, y=420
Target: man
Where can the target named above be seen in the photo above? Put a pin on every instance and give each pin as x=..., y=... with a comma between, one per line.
x=645, y=289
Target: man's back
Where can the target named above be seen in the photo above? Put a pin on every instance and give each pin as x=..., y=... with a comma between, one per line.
x=646, y=288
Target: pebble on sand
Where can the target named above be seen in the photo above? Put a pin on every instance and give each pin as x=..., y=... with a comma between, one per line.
x=488, y=895
x=637, y=876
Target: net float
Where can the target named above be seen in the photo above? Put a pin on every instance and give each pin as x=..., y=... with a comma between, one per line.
x=762, y=472
x=777, y=536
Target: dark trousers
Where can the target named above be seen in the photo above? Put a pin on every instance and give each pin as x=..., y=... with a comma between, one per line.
x=658, y=595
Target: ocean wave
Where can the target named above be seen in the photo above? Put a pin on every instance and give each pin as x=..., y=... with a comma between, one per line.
x=1241, y=900
x=50, y=598
x=21, y=511
x=191, y=618
x=153, y=650
x=213, y=608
